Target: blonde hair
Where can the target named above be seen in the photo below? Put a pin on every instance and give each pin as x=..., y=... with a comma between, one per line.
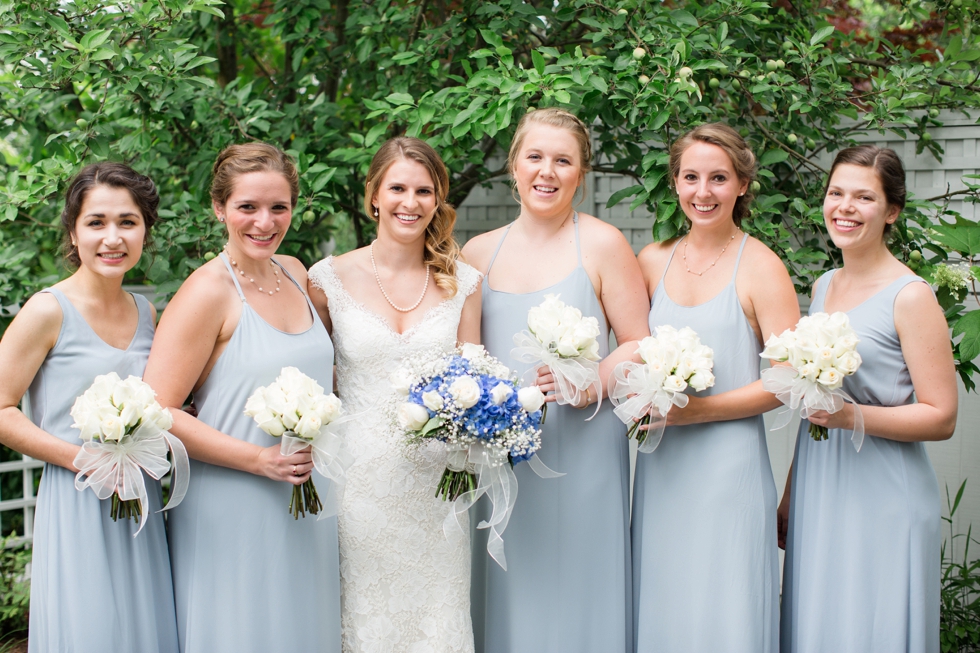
x=738, y=151
x=553, y=117
x=237, y=160
x=441, y=248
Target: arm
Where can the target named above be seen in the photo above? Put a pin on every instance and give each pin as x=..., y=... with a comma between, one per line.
x=924, y=336
x=25, y=345
x=203, y=315
x=469, y=320
x=770, y=303
x=320, y=303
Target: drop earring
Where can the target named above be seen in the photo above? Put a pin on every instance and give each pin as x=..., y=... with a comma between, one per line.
x=375, y=211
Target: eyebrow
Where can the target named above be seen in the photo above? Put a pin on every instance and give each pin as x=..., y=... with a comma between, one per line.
x=403, y=183
x=121, y=215
x=713, y=172
x=859, y=190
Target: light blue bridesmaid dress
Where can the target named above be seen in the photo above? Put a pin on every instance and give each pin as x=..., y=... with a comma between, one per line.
x=247, y=576
x=705, y=562
x=861, y=573
x=94, y=588
x=567, y=584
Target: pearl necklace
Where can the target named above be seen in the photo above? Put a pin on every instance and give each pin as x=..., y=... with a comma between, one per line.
x=717, y=258
x=393, y=305
x=275, y=270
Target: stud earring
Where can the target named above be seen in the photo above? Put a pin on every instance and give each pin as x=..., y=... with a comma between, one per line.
x=221, y=218
x=375, y=211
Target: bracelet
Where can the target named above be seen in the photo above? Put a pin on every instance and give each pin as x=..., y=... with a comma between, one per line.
x=588, y=395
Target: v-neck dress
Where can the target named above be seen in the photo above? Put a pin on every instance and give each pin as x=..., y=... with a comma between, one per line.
x=705, y=561
x=862, y=569
x=247, y=576
x=94, y=587
x=567, y=584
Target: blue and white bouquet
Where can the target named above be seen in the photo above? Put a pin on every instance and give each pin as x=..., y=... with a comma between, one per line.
x=470, y=401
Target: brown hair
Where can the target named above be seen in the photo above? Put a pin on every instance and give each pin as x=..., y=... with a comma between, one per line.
x=554, y=117
x=738, y=151
x=441, y=248
x=115, y=175
x=886, y=164
x=237, y=160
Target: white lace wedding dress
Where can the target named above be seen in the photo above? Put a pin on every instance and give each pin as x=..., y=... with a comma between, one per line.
x=404, y=586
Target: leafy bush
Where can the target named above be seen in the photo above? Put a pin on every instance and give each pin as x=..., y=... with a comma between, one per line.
x=960, y=595
x=15, y=590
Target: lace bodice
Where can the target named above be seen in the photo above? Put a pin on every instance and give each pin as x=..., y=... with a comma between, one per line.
x=404, y=585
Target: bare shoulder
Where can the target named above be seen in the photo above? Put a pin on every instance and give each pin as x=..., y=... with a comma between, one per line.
x=759, y=258
x=478, y=250
x=295, y=267
x=913, y=298
x=653, y=258
x=210, y=285
x=351, y=263
x=596, y=233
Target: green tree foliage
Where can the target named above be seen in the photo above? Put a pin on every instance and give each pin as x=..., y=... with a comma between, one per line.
x=165, y=84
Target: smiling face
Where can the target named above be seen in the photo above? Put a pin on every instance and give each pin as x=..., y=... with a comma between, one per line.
x=548, y=171
x=707, y=185
x=109, y=231
x=258, y=213
x=855, y=209
x=405, y=200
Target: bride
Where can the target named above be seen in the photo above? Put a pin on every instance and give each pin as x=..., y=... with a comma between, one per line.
x=404, y=585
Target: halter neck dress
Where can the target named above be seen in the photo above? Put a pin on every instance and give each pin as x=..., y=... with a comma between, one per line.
x=705, y=562
x=862, y=568
x=567, y=584
x=94, y=587
x=247, y=576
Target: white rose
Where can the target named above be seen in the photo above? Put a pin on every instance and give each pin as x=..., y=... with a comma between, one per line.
x=270, y=423
x=585, y=332
x=309, y=426
x=674, y=383
x=290, y=415
x=830, y=378
x=112, y=428
x=469, y=351
x=121, y=394
x=567, y=347
x=500, y=393
x=849, y=362
x=687, y=338
x=103, y=385
x=256, y=403
x=701, y=380
x=808, y=371
x=158, y=416
x=328, y=408
x=432, y=400
x=294, y=382
x=685, y=367
x=825, y=357
x=530, y=398
x=276, y=400
x=776, y=349
x=647, y=349
x=131, y=413
x=141, y=391
x=465, y=390
x=544, y=321
x=402, y=380
x=411, y=416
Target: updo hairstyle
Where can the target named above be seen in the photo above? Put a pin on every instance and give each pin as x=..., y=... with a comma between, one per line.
x=237, y=160
x=886, y=164
x=114, y=175
x=441, y=248
x=738, y=151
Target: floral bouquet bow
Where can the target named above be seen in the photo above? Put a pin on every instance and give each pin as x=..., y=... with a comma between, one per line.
x=124, y=431
x=672, y=360
x=295, y=408
x=821, y=351
x=560, y=338
x=471, y=401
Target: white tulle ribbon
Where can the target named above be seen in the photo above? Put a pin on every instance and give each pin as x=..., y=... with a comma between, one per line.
x=496, y=479
x=573, y=376
x=635, y=392
x=807, y=397
x=330, y=457
x=114, y=467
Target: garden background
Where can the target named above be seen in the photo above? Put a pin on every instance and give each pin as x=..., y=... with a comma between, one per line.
x=165, y=84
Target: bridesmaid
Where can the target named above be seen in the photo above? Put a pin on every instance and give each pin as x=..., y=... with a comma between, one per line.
x=567, y=587
x=247, y=576
x=862, y=554
x=705, y=563
x=94, y=587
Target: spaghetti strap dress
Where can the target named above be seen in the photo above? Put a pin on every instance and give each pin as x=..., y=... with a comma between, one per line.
x=94, y=587
x=567, y=584
x=705, y=560
x=862, y=568
x=247, y=576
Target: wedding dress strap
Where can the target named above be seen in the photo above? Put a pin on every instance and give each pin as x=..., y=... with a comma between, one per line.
x=738, y=259
x=234, y=277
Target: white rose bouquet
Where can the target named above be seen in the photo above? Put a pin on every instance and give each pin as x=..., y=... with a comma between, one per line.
x=560, y=338
x=471, y=401
x=124, y=430
x=821, y=351
x=296, y=409
x=672, y=360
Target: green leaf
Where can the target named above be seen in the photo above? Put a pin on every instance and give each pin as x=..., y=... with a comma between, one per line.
x=94, y=39
x=682, y=17
x=102, y=54
x=620, y=195
x=969, y=327
x=400, y=98
x=431, y=425
x=538, y=61
x=822, y=34
x=773, y=156
x=374, y=133
x=963, y=236
x=492, y=38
